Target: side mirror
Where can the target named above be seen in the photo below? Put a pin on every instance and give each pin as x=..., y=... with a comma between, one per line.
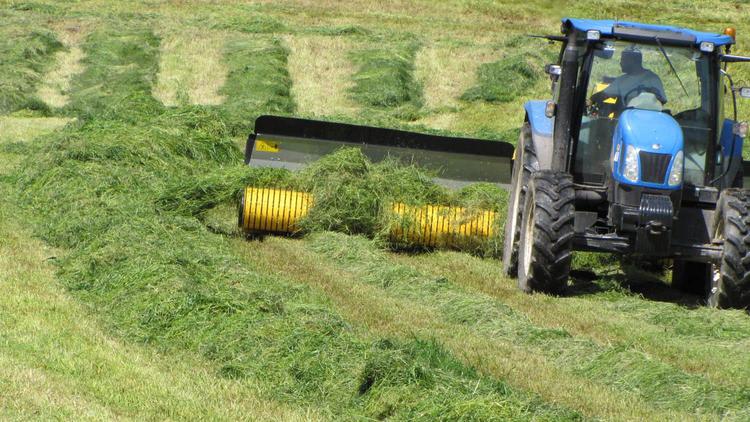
x=605, y=53
x=740, y=129
x=553, y=70
x=744, y=91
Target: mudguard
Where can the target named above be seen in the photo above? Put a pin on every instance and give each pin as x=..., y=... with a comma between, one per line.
x=731, y=150
x=541, y=132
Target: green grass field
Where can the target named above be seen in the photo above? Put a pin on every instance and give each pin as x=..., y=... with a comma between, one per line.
x=127, y=292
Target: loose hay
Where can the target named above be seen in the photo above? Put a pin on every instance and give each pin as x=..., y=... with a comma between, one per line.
x=25, y=58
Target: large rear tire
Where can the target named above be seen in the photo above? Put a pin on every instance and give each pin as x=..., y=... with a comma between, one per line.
x=524, y=164
x=730, y=286
x=545, y=247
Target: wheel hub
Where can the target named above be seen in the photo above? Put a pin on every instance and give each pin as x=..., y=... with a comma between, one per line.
x=528, y=240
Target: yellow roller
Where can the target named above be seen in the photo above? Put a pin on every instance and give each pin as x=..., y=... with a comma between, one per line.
x=266, y=210
x=440, y=226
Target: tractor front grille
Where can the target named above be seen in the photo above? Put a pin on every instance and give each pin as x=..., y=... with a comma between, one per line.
x=654, y=166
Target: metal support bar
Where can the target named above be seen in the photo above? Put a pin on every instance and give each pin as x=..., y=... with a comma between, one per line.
x=565, y=102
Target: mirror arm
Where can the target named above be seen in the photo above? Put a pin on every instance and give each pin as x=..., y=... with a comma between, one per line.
x=730, y=58
x=552, y=38
x=734, y=106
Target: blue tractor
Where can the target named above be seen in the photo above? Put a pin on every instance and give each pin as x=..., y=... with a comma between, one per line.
x=635, y=155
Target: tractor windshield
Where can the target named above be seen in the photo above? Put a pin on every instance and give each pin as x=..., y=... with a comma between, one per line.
x=655, y=77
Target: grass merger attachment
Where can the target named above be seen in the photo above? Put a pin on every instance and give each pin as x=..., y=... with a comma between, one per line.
x=292, y=143
x=638, y=152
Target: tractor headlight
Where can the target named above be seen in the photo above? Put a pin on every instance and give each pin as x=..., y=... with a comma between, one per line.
x=675, y=175
x=707, y=47
x=631, y=170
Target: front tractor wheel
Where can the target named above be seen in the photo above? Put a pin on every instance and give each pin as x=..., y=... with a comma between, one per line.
x=523, y=165
x=545, y=248
x=730, y=282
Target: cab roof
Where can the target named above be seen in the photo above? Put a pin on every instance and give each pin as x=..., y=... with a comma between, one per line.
x=612, y=27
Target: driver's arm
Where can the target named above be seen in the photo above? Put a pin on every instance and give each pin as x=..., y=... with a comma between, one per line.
x=654, y=81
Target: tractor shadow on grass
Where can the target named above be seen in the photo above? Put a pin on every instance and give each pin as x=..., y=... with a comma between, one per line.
x=631, y=280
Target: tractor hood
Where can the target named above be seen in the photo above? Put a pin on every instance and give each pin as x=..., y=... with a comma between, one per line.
x=646, y=146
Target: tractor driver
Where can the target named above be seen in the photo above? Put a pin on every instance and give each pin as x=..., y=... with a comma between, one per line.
x=637, y=87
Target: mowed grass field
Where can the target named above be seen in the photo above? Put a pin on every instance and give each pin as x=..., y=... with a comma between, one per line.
x=128, y=294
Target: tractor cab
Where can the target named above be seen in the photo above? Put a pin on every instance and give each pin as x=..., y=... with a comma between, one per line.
x=635, y=154
x=670, y=87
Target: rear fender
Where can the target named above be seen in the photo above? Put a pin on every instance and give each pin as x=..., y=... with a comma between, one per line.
x=731, y=150
x=541, y=132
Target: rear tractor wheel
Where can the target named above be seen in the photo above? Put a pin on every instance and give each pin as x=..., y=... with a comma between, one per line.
x=730, y=285
x=545, y=248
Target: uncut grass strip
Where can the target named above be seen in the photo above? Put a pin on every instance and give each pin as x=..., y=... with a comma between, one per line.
x=622, y=366
x=382, y=311
x=693, y=350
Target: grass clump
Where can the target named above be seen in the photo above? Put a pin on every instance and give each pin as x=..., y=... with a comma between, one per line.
x=26, y=58
x=385, y=78
x=503, y=80
x=351, y=192
x=258, y=82
x=197, y=195
x=514, y=75
x=402, y=372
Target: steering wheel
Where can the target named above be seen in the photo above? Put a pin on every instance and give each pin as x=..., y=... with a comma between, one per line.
x=597, y=104
x=640, y=89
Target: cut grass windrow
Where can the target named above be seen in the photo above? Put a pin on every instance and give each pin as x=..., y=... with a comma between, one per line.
x=512, y=76
x=702, y=341
x=620, y=371
x=120, y=64
x=369, y=305
x=258, y=81
x=26, y=57
x=385, y=79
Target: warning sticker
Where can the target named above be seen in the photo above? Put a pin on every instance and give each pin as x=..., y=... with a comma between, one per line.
x=599, y=87
x=266, y=146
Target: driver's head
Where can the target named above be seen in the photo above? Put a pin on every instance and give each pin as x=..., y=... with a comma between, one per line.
x=631, y=61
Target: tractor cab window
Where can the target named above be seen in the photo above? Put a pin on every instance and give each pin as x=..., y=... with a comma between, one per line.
x=659, y=78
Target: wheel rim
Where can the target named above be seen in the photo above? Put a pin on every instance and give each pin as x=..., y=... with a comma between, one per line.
x=715, y=288
x=528, y=240
x=516, y=202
